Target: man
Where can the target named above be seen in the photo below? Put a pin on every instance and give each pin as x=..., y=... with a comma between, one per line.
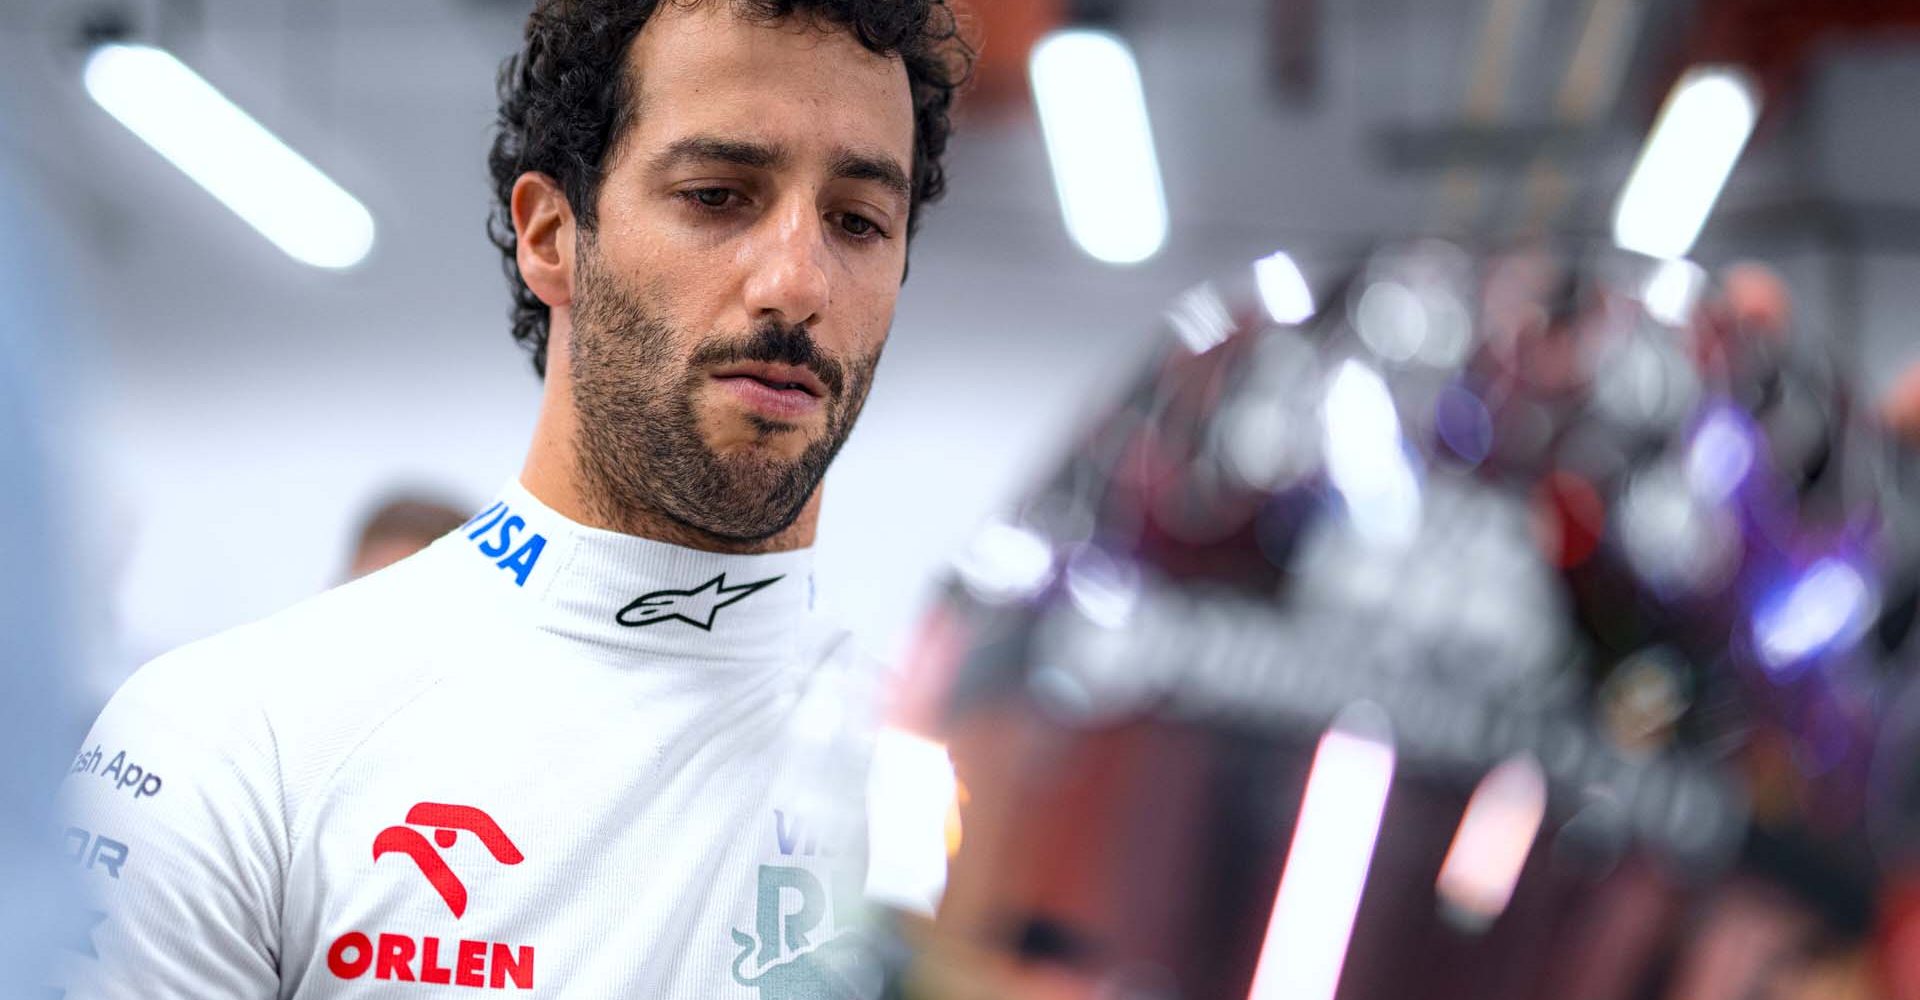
x=590, y=743
x=401, y=525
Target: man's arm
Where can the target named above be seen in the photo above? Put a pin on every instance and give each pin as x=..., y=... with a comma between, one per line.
x=172, y=815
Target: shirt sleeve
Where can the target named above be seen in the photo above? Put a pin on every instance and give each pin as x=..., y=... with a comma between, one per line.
x=172, y=817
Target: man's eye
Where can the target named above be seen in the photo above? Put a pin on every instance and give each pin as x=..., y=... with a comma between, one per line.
x=710, y=197
x=860, y=226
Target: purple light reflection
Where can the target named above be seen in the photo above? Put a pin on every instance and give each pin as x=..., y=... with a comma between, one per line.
x=1824, y=607
x=1464, y=424
x=1721, y=455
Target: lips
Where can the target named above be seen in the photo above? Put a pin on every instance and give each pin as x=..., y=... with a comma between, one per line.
x=780, y=378
x=784, y=394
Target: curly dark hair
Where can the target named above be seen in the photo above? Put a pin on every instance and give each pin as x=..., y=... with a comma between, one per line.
x=566, y=100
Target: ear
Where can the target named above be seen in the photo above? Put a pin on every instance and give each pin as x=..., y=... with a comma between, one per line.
x=544, y=225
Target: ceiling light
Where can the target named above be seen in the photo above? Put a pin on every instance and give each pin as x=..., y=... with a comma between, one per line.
x=181, y=115
x=1686, y=161
x=1093, y=115
x=1283, y=289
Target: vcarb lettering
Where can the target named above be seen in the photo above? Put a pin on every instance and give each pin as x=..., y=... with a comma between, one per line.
x=123, y=773
x=504, y=524
x=796, y=834
x=402, y=958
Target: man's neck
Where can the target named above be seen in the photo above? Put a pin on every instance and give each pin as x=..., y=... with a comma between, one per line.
x=655, y=525
x=551, y=479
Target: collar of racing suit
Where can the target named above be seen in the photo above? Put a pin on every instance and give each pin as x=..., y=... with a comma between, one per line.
x=625, y=594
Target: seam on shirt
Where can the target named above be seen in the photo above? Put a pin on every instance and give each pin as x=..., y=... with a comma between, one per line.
x=321, y=787
x=286, y=823
x=546, y=589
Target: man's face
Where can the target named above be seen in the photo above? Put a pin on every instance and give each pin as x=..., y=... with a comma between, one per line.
x=731, y=302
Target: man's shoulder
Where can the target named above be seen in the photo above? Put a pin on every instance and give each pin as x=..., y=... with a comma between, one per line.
x=207, y=768
x=369, y=640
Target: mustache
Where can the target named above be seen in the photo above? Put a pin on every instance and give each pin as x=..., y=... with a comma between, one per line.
x=778, y=344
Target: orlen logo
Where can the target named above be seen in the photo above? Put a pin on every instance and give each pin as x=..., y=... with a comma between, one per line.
x=407, y=959
x=449, y=821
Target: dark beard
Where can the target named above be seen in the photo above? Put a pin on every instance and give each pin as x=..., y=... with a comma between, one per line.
x=640, y=449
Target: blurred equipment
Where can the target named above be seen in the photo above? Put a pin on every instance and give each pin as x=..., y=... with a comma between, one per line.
x=1779, y=39
x=401, y=525
x=1519, y=626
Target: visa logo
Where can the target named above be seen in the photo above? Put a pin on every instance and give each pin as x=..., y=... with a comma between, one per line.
x=497, y=531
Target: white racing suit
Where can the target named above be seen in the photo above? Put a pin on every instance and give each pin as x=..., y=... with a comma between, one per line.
x=535, y=758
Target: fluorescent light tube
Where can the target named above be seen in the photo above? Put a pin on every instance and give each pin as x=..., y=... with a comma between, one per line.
x=1494, y=840
x=1093, y=115
x=1367, y=459
x=1327, y=864
x=1283, y=289
x=1686, y=161
x=171, y=108
x=911, y=792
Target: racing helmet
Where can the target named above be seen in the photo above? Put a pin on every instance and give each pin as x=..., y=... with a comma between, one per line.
x=1487, y=625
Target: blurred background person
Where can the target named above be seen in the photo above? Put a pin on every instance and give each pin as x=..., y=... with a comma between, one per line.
x=400, y=525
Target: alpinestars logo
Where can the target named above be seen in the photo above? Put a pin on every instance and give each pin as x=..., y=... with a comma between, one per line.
x=696, y=607
x=448, y=821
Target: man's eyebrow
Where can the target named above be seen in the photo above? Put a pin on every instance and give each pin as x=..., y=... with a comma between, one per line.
x=867, y=167
x=847, y=164
x=711, y=149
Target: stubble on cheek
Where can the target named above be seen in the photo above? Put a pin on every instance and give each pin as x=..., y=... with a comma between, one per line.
x=659, y=438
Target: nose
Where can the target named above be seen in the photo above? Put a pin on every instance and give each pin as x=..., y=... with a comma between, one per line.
x=788, y=279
